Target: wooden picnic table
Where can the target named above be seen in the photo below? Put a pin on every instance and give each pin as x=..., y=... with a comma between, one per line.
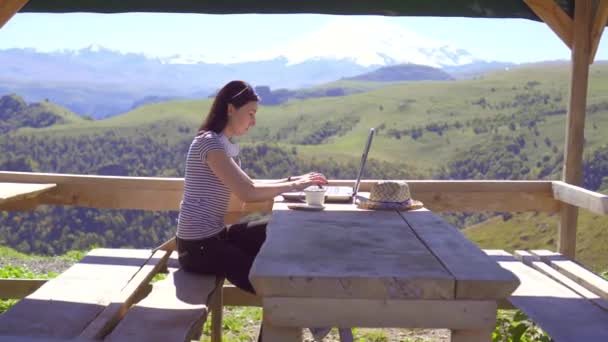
x=13, y=193
x=347, y=267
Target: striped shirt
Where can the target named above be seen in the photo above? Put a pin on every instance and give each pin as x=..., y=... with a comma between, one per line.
x=205, y=199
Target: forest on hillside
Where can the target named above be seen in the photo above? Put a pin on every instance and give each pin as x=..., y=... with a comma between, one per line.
x=57, y=229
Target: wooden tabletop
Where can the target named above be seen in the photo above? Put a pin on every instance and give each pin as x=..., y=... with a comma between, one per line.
x=345, y=252
x=12, y=192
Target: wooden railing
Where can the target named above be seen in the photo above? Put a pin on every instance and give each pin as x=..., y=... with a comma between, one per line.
x=165, y=194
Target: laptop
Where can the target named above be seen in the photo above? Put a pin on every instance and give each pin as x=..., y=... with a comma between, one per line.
x=339, y=193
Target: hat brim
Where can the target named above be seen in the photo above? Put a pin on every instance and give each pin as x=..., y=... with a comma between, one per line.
x=365, y=203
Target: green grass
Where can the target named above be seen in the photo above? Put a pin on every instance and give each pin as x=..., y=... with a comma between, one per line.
x=73, y=256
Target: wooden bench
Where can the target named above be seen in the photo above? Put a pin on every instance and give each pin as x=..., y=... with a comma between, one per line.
x=175, y=309
x=107, y=296
x=566, y=300
x=64, y=306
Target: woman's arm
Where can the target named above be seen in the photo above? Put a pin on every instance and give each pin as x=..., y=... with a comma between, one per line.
x=288, y=179
x=245, y=188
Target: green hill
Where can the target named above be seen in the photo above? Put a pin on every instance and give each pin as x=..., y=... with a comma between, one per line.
x=418, y=123
x=504, y=125
x=15, y=114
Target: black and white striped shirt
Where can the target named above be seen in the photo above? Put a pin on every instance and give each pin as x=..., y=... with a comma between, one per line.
x=205, y=199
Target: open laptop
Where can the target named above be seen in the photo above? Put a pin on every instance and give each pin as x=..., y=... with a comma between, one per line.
x=339, y=193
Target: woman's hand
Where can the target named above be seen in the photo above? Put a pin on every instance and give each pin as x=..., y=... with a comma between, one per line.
x=306, y=180
x=312, y=174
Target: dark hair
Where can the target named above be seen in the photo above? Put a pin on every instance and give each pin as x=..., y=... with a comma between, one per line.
x=237, y=93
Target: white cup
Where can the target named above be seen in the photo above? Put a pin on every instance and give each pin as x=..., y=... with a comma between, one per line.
x=315, y=195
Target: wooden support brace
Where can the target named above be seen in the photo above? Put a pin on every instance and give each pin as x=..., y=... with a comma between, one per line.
x=555, y=17
x=599, y=23
x=8, y=8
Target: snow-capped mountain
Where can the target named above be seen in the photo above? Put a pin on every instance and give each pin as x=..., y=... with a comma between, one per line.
x=365, y=41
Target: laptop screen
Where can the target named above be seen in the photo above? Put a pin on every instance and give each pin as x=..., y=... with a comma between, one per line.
x=368, y=144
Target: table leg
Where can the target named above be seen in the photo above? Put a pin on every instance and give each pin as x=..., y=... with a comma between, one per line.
x=472, y=335
x=272, y=333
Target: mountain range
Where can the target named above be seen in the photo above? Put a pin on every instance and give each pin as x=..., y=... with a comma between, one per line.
x=102, y=82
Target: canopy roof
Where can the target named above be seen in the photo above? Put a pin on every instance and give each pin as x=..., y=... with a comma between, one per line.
x=438, y=8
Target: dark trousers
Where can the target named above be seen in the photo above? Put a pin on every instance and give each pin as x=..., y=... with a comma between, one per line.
x=229, y=254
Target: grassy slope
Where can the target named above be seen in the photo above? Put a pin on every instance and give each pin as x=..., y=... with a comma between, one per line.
x=397, y=106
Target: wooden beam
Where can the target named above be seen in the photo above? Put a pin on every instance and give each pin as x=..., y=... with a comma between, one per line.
x=145, y=193
x=149, y=193
x=233, y=296
x=19, y=288
x=599, y=23
x=555, y=17
x=535, y=262
x=575, y=271
x=379, y=313
x=575, y=127
x=580, y=197
x=8, y=8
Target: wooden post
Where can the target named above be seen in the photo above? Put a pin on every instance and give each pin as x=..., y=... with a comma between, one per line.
x=8, y=8
x=217, y=312
x=575, y=127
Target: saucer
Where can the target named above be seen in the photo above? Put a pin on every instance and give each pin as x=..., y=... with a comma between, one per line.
x=304, y=206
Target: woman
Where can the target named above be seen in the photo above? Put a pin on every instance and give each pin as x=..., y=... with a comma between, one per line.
x=204, y=243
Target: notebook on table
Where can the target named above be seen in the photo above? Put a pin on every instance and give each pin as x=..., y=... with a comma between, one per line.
x=339, y=193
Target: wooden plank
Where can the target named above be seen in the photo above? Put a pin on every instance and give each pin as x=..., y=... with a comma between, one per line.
x=599, y=23
x=273, y=333
x=484, y=335
x=555, y=17
x=19, y=288
x=456, y=186
x=477, y=276
x=145, y=193
x=233, y=296
x=562, y=313
x=14, y=192
x=175, y=309
x=580, y=197
x=165, y=193
x=575, y=127
x=344, y=252
x=379, y=313
x=535, y=262
x=8, y=8
x=120, y=303
x=64, y=306
x=574, y=271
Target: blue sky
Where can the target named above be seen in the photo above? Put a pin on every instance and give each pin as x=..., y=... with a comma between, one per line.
x=511, y=40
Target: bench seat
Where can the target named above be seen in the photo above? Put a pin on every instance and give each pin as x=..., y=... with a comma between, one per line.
x=63, y=307
x=565, y=314
x=174, y=310
x=107, y=296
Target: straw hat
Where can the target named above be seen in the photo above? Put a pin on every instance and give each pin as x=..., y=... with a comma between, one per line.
x=389, y=195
